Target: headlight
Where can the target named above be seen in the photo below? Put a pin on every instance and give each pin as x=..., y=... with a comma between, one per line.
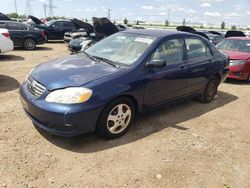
x=236, y=62
x=72, y=95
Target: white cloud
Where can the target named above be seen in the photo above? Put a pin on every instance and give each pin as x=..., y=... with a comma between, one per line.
x=231, y=14
x=212, y=14
x=205, y=5
x=147, y=7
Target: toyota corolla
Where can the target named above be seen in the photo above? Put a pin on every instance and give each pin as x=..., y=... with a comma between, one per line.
x=103, y=88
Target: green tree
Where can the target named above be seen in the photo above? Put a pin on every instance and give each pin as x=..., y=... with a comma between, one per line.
x=137, y=22
x=166, y=23
x=86, y=20
x=223, y=25
x=13, y=15
x=125, y=21
x=233, y=27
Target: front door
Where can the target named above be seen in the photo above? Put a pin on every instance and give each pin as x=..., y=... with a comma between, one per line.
x=167, y=83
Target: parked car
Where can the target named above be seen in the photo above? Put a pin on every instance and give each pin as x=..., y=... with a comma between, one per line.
x=233, y=33
x=6, y=43
x=79, y=44
x=238, y=50
x=86, y=29
x=214, y=36
x=23, y=35
x=54, y=29
x=68, y=36
x=130, y=72
x=102, y=28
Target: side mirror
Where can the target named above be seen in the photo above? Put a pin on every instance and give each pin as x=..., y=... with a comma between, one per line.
x=156, y=64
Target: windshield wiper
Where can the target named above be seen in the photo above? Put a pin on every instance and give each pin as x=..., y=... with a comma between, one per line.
x=89, y=56
x=107, y=61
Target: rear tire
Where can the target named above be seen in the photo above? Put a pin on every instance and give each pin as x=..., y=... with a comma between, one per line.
x=116, y=119
x=29, y=44
x=210, y=91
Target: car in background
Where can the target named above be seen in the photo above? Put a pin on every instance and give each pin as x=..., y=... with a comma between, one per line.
x=130, y=72
x=68, y=36
x=54, y=29
x=233, y=33
x=214, y=36
x=238, y=50
x=23, y=35
x=6, y=43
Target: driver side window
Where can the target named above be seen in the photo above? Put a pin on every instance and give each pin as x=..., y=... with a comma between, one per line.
x=170, y=51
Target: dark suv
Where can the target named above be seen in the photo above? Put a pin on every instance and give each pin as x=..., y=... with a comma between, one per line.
x=55, y=29
x=23, y=35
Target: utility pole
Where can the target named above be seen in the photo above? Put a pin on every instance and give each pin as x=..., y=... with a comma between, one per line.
x=45, y=9
x=15, y=6
x=28, y=9
x=109, y=13
x=169, y=15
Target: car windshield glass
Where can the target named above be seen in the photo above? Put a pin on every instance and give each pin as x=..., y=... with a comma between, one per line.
x=235, y=45
x=121, y=48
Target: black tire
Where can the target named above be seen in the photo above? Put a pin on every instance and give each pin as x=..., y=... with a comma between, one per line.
x=210, y=91
x=104, y=126
x=248, y=79
x=29, y=44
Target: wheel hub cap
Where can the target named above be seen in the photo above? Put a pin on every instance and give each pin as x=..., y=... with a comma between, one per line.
x=119, y=118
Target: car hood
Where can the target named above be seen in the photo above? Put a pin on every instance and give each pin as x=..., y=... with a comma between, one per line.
x=236, y=55
x=71, y=71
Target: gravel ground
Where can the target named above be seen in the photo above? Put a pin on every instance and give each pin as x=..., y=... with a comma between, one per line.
x=185, y=145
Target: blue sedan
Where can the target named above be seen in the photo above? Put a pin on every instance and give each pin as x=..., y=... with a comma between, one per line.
x=103, y=88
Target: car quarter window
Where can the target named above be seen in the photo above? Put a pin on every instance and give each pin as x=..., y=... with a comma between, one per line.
x=197, y=49
x=58, y=24
x=170, y=51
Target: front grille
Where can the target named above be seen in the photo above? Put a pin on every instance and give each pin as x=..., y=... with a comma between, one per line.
x=34, y=87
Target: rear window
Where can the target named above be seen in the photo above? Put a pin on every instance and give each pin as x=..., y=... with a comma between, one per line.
x=12, y=26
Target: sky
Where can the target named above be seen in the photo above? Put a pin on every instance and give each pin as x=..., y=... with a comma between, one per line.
x=233, y=12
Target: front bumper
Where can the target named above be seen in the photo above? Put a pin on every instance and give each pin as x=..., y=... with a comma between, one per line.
x=58, y=119
x=240, y=72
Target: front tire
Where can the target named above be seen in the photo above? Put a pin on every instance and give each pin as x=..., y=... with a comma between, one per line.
x=210, y=91
x=248, y=79
x=116, y=119
x=29, y=44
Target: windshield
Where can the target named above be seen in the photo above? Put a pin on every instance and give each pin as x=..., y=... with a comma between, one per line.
x=121, y=48
x=235, y=45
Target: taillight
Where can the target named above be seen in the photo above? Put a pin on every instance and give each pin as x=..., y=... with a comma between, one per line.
x=6, y=35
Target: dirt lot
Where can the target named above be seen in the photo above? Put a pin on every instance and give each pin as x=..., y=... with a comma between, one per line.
x=185, y=145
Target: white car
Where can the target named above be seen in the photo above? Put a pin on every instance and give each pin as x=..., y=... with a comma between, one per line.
x=6, y=44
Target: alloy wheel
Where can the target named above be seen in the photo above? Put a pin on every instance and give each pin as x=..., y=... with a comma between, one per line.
x=119, y=118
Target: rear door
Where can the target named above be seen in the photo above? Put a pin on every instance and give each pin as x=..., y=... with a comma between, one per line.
x=68, y=27
x=56, y=31
x=16, y=33
x=168, y=83
x=199, y=60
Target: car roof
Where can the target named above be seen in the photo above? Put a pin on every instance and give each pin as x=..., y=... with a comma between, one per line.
x=157, y=32
x=239, y=38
